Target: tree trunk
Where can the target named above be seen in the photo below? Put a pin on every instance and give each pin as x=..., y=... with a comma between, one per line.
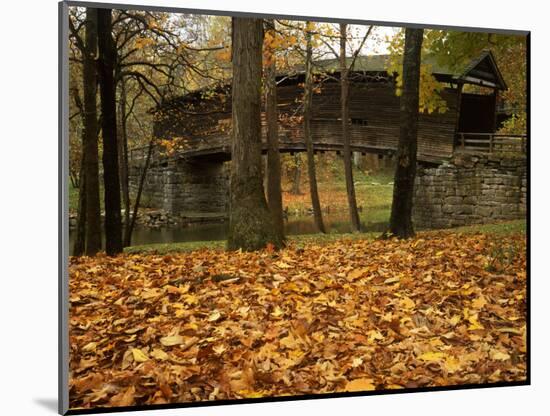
x=344, y=102
x=130, y=229
x=274, y=193
x=113, y=225
x=80, y=241
x=123, y=159
x=250, y=223
x=308, y=97
x=297, y=174
x=90, y=133
x=401, y=213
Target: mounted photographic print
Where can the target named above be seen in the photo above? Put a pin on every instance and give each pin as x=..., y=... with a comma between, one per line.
x=262, y=208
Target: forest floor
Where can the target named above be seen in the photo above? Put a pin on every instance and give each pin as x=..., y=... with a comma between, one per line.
x=496, y=229
x=332, y=314
x=373, y=194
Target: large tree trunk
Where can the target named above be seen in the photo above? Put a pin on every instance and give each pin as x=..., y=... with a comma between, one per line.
x=113, y=225
x=80, y=239
x=250, y=222
x=123, y=159
x=89, y=139
x=401, y=213
x=344, y=103
x=274, y=193
x=308, y=97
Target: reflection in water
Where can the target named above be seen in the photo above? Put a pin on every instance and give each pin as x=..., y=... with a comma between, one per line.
x=218, y=231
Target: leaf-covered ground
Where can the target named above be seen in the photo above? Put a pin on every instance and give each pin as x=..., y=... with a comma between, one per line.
x=349, y=315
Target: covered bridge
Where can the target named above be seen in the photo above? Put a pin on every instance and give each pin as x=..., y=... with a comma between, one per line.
x=202, y=119
x=193, y=178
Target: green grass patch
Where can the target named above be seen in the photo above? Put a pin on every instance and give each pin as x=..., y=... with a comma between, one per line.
x=163, y=248
x=498, y=228
x=502, y=228
x=73, y=197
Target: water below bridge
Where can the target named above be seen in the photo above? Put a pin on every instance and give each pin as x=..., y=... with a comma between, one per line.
x=335, y=223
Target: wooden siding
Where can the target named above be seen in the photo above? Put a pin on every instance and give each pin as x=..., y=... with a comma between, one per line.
x=374, y=111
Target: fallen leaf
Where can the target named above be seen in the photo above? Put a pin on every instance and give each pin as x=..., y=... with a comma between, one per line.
x=432, y=356
x=124, y=398
x=407, y=303
x=139, y=356
x=360, y=384
x=499, y=355
x=172, y=340
x=159, y=354
x=214, y=316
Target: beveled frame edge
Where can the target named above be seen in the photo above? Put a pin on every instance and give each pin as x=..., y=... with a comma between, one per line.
x=63, y=201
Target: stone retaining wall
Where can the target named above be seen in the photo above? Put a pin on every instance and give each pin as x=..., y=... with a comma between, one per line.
x=185, y=187
x=470, y=190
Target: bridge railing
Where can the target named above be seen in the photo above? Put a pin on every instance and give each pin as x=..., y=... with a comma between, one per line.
x=489, y=143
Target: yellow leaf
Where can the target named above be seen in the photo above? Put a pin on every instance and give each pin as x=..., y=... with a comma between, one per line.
x=191, y=299
x=436, y=342
x=277, y=312
x=454, y=320
x=360, y=384
x=451, y=364
x=159, y=354
x=357, y=362
x=356, y=274
x=89, y=347
x=214, y=316
x=479, y=302
x=219, y=349
x=499, y=355
x=432, y=356
x=139, y=356
x=288, y=342
x=474, y=323
x=171, y=340
x=407, y=303
x=375, y=335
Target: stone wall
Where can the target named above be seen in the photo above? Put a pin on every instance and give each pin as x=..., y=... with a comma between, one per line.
x=470, y=190
x=185, y=187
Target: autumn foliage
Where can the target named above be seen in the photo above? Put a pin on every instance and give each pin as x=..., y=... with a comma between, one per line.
x=353, y=315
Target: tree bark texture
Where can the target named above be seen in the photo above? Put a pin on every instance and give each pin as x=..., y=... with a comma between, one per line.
x=308, y=97
x=90, y=136
x=123, y=159
x=401, y=213
x=79, y=246
x=106, y=64
x=297, y=175
x=274, y=192
x=344, y=102
x=250, y=223
x=130, y=229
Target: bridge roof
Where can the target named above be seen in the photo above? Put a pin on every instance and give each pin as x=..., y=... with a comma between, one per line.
x=482, y=71
x=366, y=63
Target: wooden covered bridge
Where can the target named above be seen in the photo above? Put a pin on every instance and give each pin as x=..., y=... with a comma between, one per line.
x=192, y=177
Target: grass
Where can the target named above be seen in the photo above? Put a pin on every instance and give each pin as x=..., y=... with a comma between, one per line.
x=373, y=195
x=73, y=197
x=499, y=229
